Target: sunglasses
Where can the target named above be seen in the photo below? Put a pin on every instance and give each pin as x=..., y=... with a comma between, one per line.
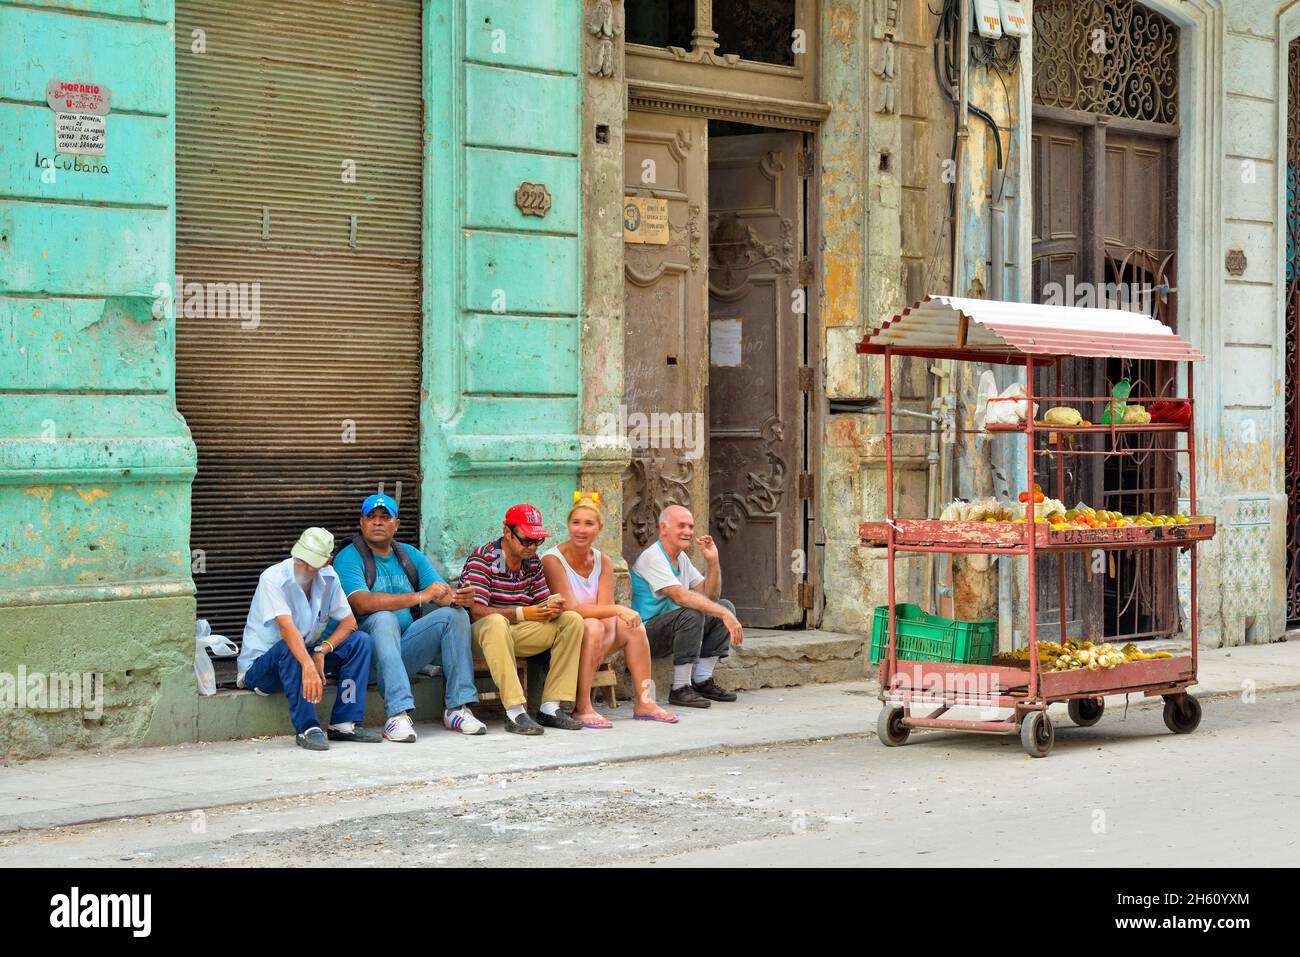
x=526, y=542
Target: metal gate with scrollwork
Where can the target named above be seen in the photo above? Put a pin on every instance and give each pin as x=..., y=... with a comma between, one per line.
x=1106, y=128
x=1292, y=347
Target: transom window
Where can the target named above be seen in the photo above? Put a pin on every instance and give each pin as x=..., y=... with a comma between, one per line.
x=1116, y=58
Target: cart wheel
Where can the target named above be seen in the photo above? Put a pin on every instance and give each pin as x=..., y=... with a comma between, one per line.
x=1182, y=713
x=890, y=728
x=1036, y=734
x=1085, y=712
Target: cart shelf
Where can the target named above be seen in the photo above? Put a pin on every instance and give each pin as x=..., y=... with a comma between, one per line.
x=1010, y=537
x=1048, y=427
x=1011, y=680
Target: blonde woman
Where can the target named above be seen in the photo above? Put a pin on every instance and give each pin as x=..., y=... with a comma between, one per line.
x=577, y=570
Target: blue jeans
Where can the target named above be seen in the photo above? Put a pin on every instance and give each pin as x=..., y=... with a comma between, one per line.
x=278, y=670
x=439, y=637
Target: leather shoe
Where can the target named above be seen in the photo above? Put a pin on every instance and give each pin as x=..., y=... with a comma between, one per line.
x=565, y=722
x=525, y=725
x=711, y=690
x=688, y=697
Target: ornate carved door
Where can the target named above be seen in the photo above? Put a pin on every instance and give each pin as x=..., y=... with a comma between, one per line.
x=756, y=409
x=665, y=328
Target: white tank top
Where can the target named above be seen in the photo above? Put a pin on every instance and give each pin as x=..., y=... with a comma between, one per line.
x=585, y=590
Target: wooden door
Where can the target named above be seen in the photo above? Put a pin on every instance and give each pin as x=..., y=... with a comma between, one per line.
x=1062, y=263
x=665, y=328
x=756, y=411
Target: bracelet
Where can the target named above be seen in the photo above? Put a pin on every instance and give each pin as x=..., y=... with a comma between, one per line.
x=519, y=612
x=330, y=652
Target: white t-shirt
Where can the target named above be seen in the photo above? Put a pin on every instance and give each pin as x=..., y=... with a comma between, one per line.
x=652, y=573
x=586, y=591
x=278, y=594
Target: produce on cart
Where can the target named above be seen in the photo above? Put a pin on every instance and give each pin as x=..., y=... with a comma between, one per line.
x=930, y=665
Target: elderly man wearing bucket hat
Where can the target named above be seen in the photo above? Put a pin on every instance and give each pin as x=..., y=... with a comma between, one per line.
x=394, y=589
x=516, y=616
x=283, y=649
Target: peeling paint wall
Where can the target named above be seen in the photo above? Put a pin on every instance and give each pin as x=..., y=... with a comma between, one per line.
x=95, y=463
x=1239, y=408
x=885, y=243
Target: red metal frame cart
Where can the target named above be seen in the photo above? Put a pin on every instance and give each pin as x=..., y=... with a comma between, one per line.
x=918, y=694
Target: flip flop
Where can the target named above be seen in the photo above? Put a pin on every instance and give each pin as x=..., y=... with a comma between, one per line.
x=655, y=717
x=605, y=726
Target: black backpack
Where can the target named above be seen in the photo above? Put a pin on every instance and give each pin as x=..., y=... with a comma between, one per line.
x=403, y=559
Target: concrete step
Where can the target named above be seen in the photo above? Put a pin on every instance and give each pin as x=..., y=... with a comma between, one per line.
x=773, y=658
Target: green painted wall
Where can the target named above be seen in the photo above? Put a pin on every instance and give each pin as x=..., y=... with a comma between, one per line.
x=503, y=296
x=95, y=464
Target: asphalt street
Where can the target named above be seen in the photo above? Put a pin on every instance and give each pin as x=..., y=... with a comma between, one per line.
x=1124, y=792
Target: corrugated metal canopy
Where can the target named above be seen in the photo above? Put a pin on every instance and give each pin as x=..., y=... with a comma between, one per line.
x=999, y=328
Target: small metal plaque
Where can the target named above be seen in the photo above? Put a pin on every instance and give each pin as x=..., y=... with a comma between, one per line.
x=645, y=220
x=1236, y=262
x=532, y=199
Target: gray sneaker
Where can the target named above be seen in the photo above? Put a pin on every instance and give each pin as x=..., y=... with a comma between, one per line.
x=525, y=725
x=313, y=739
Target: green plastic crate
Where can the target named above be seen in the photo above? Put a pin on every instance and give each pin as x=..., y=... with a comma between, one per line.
x=924, y=637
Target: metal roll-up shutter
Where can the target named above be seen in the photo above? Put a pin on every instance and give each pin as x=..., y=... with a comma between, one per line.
x=301, y=410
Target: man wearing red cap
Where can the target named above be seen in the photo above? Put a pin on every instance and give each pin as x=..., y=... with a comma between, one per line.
x=516, y=616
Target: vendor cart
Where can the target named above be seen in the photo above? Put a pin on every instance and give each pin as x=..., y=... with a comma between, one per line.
x=920, y=694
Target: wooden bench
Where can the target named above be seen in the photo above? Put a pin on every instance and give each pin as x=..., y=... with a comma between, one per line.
x=532, y=676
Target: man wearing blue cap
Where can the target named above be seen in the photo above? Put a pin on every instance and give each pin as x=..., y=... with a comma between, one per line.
x=388, y=584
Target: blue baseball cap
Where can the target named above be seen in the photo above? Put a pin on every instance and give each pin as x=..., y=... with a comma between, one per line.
x=377, y=501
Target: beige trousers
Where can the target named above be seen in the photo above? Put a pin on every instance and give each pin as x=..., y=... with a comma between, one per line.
x=499, y=642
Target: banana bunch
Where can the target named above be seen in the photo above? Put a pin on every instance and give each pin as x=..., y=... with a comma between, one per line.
x=1074, y=655
x=1133, y=653
x=1084, y=654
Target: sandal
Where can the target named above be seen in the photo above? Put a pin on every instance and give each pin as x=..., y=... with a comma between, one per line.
x=662, y=716
x=601, y=724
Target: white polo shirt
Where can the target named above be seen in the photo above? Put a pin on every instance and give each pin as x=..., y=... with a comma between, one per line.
x=278, y=594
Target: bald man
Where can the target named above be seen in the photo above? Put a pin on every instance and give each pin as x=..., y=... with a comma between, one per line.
x=683, y=612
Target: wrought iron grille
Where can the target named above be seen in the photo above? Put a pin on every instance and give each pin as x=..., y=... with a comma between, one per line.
x=1113, y=57
x=1292, y=346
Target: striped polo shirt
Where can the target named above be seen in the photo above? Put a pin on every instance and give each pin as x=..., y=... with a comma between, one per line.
x=485, y=571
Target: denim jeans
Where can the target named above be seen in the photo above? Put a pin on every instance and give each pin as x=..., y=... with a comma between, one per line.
x=438, y=637
x=278, y=670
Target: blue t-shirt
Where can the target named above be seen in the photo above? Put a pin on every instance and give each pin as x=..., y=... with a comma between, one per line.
x=389, y=577
x=652, y=572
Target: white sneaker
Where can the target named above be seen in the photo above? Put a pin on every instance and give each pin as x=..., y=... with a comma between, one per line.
x=463, y=720
x=399, y=728
x=239, y=683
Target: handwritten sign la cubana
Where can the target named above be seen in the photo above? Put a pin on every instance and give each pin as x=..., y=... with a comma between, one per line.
x=645, y=220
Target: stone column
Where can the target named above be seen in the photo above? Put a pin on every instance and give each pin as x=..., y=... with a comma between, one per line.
x=604, y=454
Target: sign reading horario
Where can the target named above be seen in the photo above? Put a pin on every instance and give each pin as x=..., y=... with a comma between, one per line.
x=80, y=111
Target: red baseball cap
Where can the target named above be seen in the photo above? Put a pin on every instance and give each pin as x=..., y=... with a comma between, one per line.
x=528, y=520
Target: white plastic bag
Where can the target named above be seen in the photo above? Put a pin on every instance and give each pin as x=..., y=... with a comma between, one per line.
x=985, y=390
x=1000, y=412
x=203, y=669
x=220, y=645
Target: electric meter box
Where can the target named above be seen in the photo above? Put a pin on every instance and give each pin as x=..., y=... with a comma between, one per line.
x=988, y=19
x=1014, y=21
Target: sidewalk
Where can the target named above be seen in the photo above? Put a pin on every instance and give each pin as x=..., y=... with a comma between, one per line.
x=79, y=788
